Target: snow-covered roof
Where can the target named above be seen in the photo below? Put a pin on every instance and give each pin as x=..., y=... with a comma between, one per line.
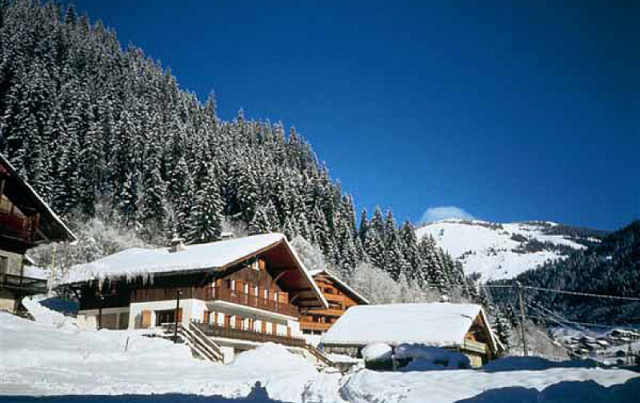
x=432, y=324
x=35, y=272
x=142, y=262
x=341, y=283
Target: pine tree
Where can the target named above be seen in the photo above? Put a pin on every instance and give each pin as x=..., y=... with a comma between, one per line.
x=262, y=220
x=205, y=221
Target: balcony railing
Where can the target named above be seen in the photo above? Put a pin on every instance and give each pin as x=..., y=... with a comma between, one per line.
x=14, y=227
x=22, y=284
x=236, y=297
x=475, y=346
x=249, y=335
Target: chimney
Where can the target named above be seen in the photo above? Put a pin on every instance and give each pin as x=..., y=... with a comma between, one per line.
x=177, y=245
x=227, y=235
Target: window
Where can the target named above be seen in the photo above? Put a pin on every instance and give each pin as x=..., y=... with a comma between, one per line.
x=167, y=316
x=4, y=265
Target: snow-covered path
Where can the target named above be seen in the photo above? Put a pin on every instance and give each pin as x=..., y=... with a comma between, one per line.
x=53, y=358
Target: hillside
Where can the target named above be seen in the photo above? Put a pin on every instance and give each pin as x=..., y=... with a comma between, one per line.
x=103, y=132
x=611, y=267
x=502, y=251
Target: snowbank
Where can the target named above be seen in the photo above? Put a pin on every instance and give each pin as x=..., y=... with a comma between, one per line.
x=47, y=316
x=425, y=358
x=377, y=352
x=455, y=385
x=43, y=359
x=40, y=359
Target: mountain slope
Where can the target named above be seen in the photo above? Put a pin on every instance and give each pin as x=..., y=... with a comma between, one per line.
x=501, y=251
x=611, y=267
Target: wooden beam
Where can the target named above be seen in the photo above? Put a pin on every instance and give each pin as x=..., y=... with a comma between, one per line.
x=280, y=275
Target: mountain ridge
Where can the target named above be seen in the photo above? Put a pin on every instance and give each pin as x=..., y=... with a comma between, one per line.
x=495, y=251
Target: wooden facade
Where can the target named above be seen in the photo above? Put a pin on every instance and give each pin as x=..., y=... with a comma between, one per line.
x=25, y=221
x=253, y=299
x=340, y=298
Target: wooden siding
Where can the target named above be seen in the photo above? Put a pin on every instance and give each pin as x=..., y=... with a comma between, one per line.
x=320, y=320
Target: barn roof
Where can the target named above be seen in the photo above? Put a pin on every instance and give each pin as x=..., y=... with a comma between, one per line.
x=144, y=262
x=432, y=324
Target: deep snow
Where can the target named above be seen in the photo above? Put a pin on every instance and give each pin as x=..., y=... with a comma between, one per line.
x=51, y=359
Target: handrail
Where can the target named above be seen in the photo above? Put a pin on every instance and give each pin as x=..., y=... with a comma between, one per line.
x=199, y=335
x=204, y=347
x=319, y=355
x=211, y=330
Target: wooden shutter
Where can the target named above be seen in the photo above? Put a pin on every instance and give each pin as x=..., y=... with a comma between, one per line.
x=146, y=319
x=288, y=331
x=283, y=297
x=206, y=317
x=264, y=326
x=227, y=320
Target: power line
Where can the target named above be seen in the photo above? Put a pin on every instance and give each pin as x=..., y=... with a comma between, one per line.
x=582, y=294
x=579, y=323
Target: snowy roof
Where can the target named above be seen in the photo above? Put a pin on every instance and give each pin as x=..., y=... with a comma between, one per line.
x=341, y=283
x=53, y=227
x=142, y=262
x=432, y=324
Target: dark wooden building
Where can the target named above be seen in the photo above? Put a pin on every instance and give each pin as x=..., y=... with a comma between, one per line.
x=25, y=221
x=340, y=298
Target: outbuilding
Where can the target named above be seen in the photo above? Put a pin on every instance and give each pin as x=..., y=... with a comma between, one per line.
x=459, y=327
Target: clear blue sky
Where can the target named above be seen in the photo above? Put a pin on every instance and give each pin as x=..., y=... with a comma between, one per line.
x=509, y=111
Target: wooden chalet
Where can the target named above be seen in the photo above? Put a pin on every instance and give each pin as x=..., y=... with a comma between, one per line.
x=460, y=327
x=238, y=293
x=25, y=221
x=340, y=298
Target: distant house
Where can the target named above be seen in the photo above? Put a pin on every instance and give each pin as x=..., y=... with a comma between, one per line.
x=238, y=293
x=25, y=221
x=340, y=298
x=461, y=327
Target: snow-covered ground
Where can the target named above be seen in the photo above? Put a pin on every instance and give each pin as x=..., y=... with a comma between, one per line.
x=494, y=250
x=54, y=358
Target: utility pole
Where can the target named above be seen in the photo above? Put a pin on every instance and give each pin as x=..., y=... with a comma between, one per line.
x=520, y=290
x=100, y=300
x=175, y=328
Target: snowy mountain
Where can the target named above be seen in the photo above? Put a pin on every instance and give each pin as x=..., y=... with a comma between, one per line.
x=502, y=251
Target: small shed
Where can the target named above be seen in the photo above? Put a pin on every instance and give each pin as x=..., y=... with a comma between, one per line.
x=460, y=327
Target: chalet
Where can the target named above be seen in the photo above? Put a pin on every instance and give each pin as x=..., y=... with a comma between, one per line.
x=25, y=221
x=461, y=327
x=237, y=292
x=340, y=298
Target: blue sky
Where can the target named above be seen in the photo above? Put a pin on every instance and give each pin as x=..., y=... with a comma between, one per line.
x=506, y=111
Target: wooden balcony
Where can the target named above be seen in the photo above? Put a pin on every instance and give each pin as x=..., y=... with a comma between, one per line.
x=24, y=285
x=14, y=227
x=315, y=326
x=474, y=346
x=240, y=298
x=249, y=335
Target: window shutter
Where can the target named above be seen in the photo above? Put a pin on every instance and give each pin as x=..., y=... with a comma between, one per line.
x=146, y=319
